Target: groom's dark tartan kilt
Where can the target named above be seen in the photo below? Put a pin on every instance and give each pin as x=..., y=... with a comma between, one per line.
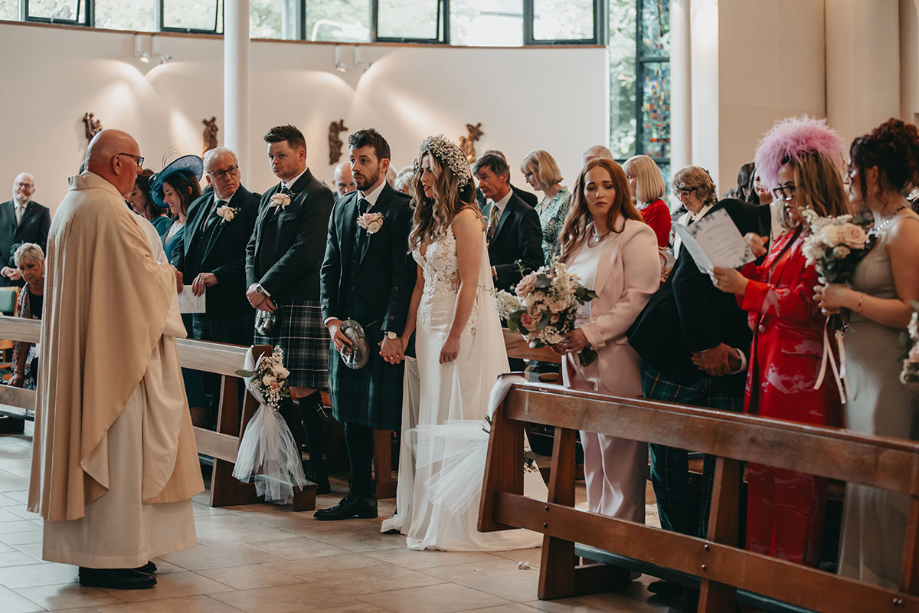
x=371, y=396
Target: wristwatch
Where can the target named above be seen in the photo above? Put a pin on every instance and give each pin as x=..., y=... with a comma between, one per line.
x=392, y=335
x=260, y=290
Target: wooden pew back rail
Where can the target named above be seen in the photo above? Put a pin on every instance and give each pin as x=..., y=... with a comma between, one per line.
x=721, y=566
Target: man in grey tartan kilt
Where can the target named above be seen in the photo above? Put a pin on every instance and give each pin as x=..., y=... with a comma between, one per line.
x=367, y=276
x=283, y=258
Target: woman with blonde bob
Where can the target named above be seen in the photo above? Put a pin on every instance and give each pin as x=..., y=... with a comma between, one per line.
x=460, y=354
x=542, y=174
x=648, y=190
x=608, y=245
x=30, y=260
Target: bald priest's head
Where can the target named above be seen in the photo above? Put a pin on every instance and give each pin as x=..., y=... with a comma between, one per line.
x=115, y=156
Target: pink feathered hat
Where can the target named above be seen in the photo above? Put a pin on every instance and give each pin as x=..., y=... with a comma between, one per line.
x=790, y=139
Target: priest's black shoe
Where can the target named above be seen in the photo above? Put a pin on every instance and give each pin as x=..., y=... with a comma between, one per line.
x=148, y=568
x=321, y=481
x=351, y=506
x=116, y=578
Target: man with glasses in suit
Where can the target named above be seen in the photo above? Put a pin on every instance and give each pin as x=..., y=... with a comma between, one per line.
x=22, y=220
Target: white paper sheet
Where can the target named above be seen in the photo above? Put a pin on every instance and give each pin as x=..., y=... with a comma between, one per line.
x=189, y=303
x=713, y=241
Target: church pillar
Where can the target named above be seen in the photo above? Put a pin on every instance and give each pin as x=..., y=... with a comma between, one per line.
x=236, y=81
x=862, y=64
x=680, y=86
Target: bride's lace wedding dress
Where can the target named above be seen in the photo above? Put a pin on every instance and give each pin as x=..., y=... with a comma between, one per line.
x=444, y=442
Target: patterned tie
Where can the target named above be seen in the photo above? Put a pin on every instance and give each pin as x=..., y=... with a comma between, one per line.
x=285, y=190
x=493, y=221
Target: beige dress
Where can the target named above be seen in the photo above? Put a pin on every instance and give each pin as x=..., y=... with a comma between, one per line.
x=874, y=521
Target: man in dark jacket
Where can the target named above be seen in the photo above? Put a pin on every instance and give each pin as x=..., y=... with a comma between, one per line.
x=22, y=220
x=283, y=259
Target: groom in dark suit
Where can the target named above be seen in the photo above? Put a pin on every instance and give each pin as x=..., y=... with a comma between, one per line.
x=514, y=233
x=368, y=276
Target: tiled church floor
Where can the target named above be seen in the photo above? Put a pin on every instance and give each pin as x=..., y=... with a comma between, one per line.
x=263, y=558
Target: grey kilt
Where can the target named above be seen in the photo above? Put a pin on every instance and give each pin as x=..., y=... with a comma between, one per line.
x=304, y=340
x=371, y=396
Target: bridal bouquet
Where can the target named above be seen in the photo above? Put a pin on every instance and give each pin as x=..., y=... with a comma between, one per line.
x=910, y=372
x=268, y=454
x=545, y=305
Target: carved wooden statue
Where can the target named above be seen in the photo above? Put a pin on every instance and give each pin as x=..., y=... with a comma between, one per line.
x=335, y=144
x=467, y=143
x=93, y=126
x=210, y=133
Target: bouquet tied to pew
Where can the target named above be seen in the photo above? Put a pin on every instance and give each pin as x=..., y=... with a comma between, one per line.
x=268, y=455
x=545, y=305
x=910, y=340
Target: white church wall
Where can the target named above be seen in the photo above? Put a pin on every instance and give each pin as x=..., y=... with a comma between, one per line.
x=555, y=99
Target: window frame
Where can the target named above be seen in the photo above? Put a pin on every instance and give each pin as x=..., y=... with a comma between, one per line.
x=443, y=26
x=600, y=33
x=219, y=7
x=640, y=62
x=81, y=20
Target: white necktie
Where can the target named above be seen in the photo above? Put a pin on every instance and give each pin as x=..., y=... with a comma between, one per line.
x=18, y=213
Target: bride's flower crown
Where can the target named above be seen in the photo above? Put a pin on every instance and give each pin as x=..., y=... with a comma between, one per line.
x=449, y=154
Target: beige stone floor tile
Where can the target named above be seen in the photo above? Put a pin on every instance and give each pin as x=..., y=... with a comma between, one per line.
x=11, y=602
x=33, y=550
x=172, y=585
x=7, y=516
x=294, y=599
x=67, y=596
x=218, y=556
x=22, y=538
x=372, y=580
x=187, y=604
x=22, y=512
x=34, y=575
x=163, y=567
x=18, y=526
x=297, y=548
x=6, y=501
x=499, y=577
x=249, y=577
x=507, y=608
x=443, y=598
x=13, y=483
x=307, y=567
x=21, y=496
x=240, y=532
x=200, y=510
x=15, y=558
x=635, y=599
x=533, y=556
x=354, y=536
x=409, y=558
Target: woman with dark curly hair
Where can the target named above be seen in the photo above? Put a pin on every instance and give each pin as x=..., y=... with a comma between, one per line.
x=142, y=203
x=883, y=167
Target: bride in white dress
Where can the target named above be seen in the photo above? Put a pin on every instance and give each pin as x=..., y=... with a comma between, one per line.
x=460, y=353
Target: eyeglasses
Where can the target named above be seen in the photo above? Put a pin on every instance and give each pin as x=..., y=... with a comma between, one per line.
x=220, y=174
x=138, y=158
x=17, y=184
x=785, y=192
x=682, y=193
x=527, y=175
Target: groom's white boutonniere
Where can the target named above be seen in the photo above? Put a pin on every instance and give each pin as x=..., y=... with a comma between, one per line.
x=279, y=201
x=227, y=214
x=372, y=222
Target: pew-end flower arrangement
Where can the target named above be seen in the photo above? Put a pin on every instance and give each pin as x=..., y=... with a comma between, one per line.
x=910, y=372
x=544, y=307
x=268, y=454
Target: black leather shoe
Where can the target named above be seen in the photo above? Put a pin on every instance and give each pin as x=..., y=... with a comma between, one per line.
x=351, y=506
x=116, y=578
x=148, y=568
x=321, y=481
x=666, y=589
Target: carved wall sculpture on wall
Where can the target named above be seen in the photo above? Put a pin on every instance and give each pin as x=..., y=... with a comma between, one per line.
x=210, y=133
x=93, y=126
x=467, y=143
x=335, y=144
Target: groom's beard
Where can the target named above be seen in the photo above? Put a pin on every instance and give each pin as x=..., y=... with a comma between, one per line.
x=364, y=183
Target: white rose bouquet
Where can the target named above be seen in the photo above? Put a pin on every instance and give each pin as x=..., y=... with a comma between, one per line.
x=268, y=455
x=910, y=372
x=544, y=307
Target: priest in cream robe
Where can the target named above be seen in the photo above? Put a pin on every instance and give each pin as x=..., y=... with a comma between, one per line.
x=114, y=462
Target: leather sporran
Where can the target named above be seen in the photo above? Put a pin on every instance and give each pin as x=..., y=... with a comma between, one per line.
x=357, y=355
x=266, y=323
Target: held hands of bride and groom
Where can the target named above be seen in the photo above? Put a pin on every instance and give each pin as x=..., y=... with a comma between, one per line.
x=391, y=349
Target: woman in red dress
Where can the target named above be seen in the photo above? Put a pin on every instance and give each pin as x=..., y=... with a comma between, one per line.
x=785, y=509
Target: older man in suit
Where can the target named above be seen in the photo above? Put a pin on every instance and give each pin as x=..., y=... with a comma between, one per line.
x=211, y=257
x=22, y=220
x=514, y=234
x=283, y=259
x=528, y=197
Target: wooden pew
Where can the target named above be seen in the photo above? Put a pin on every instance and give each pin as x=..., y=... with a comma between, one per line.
x=722, y=567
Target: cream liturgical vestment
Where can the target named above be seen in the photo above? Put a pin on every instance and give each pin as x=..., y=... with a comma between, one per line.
x=114, y=462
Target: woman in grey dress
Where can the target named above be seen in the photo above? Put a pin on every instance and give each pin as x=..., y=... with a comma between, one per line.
x=883, y=165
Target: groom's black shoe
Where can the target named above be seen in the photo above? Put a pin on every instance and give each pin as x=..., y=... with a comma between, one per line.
x=351, y=506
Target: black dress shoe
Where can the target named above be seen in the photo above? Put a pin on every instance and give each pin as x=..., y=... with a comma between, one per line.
x=351, y=506
x=321, y=481
x=666, y=589
x=116, y=578
x=148, y=568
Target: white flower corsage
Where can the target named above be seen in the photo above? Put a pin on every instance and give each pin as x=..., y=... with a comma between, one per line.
x=372, y=222
x=279, y=200
x=227, y=214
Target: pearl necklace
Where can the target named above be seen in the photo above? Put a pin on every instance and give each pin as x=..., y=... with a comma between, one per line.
x=597, y=237
x=880, y=226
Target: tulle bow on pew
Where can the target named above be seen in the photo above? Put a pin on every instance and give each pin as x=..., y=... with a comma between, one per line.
x=268, y=455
